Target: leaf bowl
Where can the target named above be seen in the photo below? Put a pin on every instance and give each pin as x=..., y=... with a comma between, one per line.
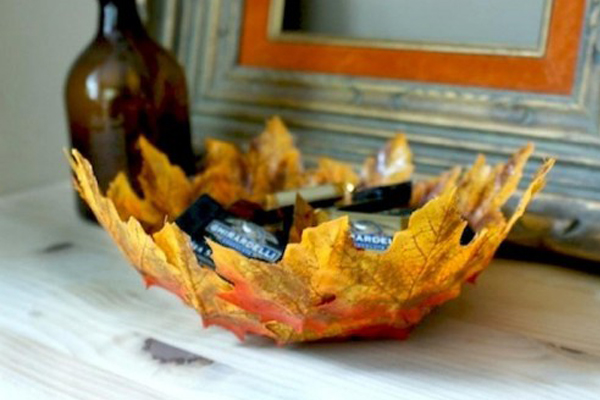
x=323, y=288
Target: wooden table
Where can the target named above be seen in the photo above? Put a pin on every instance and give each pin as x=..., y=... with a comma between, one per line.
x=74, y=318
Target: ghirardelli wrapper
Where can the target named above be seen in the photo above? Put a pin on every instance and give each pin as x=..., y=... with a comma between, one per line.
x=207, y=219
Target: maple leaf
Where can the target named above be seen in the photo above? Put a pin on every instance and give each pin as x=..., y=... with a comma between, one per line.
x=481, y=192
x=423, y=191
x=227, y=175
x=304, y=217
x=333, y=171
x=273, y=161
x=219, y=153
x=165, y=259
x=224, y=175
x=392, y=164
x=484, y=190
x=495, y=224
x=129, y=204
x=167, y=191
x=165, y=185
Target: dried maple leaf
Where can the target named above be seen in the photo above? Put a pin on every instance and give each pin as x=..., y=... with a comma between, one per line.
x=304, y=217
x=165, y=185
x=165, y=259
x=129, y=235
x=496, y=225
x=219, y=153
x=129, y=204
x=168, y=191
x=481, y=192
x=392, y=164
x=274, y=163
x=224, y=174
x=324, y=287
x=333, y=171
x=483, y=189
x=424, y=191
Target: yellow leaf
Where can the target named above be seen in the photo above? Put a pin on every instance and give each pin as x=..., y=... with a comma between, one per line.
x=273, y=161
x=224, y=174
x=484, y=188
x=325, y=287
x=164, y=184
x=304, y=217
x=333, y=171
x=219, y=153
x=423, y=191
x=165, y=259
x=129, y=204
x=537, y=184
x=392, y=164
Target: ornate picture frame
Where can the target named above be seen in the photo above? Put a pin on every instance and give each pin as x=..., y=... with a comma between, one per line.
x=241, y=69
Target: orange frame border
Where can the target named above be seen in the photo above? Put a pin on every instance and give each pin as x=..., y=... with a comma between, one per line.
x=554, y=73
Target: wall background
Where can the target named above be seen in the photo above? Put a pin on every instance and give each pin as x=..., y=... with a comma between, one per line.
x=39, y=40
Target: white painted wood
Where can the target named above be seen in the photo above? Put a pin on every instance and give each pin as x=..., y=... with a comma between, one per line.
x=73, y=322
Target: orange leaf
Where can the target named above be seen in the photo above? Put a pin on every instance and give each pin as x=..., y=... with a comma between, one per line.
x=129, y=204
x=165, y=259
x=304, y=217
x=333, y=171
x=424, y=191
x=392, y=164
x=483, y=189
x=219, y=153
x=224, y=174
x=165, y=185
x=274, y=162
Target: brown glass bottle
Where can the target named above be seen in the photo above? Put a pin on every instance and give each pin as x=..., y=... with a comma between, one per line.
x=122, y=86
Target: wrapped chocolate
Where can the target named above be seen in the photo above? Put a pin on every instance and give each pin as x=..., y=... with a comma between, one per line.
x=208, y=219
x=380, y=198
x=372, y=231
x=261, y=234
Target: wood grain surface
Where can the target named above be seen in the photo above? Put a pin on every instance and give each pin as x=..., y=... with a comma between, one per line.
x=74, y=319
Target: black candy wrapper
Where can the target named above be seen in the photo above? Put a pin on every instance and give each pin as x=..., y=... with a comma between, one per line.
x=242, y=227
x=206, y=218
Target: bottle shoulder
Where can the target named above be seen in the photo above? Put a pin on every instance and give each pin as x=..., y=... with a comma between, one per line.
x=100, y=51
x=159, y=57
x=140, y=54
x=136, y=67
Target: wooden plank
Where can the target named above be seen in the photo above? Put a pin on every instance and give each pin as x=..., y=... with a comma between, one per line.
x=71, y=305
x=32, y=368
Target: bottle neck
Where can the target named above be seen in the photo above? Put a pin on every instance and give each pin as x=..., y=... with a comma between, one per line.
x=119, y=18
